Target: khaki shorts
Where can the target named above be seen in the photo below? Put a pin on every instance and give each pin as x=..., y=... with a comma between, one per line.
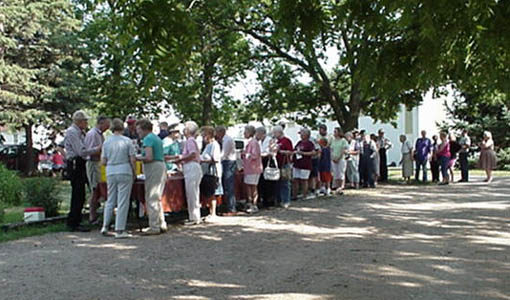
x=93, y=173
x=252, y=179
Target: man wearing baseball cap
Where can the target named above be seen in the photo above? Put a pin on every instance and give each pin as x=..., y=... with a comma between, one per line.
x=76, y=155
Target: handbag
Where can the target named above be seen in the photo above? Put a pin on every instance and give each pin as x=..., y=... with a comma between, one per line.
x=209, y=182
x=272, y=173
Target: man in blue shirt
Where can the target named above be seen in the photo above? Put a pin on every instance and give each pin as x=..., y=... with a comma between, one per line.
x=422, y=155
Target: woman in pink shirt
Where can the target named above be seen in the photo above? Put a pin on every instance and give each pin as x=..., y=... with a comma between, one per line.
x=190, y=160
x=443, y=156
x=252, y=165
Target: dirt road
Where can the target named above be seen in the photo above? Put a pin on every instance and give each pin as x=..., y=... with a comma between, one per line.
x=395, y=242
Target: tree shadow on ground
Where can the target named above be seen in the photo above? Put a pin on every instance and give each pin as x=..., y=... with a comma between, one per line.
x=395, y=242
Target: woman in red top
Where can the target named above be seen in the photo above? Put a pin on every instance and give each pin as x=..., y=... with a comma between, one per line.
x=303, y=153
x=58, y=161
x=283, y=156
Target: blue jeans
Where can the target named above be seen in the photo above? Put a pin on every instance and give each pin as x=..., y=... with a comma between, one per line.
x=228, y=181
x=419, y=165
x=283, y=191
x=443, y=162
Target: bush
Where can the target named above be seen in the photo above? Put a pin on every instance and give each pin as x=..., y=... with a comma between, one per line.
x=11, y=188
x=504, y=159
x=42, y=192
x=2, y=212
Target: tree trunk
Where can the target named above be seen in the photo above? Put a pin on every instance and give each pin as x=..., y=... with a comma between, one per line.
x=30, y=166
x=351, y=120
x=207, y=91
x=347, y=119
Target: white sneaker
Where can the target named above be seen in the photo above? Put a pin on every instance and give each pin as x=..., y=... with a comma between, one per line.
x=191, y=223
x=310, y=197
x=328, y=192
x=150, y=231
x=211, y=218
x=104, y=230
x=123, y=235
x=285, y=205
x=253, y=209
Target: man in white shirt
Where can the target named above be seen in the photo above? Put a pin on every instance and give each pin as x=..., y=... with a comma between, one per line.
x=228, y=162
x=93, y=142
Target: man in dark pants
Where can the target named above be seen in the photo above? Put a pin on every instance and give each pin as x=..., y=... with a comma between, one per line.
x=465, y=143
x=366, y=163
x=384, y=145
x=434, y=163
x=75, y=155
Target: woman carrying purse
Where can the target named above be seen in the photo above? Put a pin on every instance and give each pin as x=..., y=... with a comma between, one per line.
x=284, y=151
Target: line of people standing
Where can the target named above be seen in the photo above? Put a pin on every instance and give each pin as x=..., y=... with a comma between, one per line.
x=443, y=152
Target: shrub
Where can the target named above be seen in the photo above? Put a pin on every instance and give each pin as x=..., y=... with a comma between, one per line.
x=42, y=192
x=11, y=187
x=2, y=212
x=504, y=159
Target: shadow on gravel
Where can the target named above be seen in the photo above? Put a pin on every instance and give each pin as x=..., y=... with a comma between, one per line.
x=395, y=242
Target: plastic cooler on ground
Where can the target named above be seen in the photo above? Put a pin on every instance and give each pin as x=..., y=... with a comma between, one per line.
x=34, y=214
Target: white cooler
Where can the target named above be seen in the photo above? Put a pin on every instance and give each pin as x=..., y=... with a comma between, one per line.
x=34, y=214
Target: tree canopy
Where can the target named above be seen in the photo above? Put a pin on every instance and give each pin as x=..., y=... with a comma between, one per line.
x=312, y=58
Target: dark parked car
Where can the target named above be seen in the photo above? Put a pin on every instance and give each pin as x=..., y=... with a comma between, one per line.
x=14, y=157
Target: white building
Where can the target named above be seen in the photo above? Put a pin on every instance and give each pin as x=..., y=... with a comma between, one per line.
x=424, y=117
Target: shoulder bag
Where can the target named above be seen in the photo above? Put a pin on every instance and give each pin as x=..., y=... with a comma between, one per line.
x=209, y=182
x=272, y=173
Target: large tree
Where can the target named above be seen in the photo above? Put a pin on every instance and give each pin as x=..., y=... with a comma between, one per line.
x=39, y=57
x=389, y=52
x=192, y=63
x=320, y=58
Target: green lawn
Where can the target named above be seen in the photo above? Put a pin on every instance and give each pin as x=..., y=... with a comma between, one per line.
x=395, y=174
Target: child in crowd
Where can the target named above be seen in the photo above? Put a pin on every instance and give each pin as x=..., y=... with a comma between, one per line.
x=325, y=167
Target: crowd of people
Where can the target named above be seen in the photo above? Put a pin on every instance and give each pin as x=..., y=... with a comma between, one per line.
x=51, y=161
x=442, y=154
x=275, y=172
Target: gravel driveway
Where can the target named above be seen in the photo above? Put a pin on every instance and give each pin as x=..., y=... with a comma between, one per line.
x=394, y=242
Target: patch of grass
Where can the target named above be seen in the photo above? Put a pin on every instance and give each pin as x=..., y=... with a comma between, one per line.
x=24, y=232
x=395, y=174
x=64, y=194
x=496, y=173
x=13, y=215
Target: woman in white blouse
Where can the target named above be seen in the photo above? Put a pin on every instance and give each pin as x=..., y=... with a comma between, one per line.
x=211, y=159
x=407, y=157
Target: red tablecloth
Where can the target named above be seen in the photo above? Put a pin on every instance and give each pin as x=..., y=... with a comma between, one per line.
x=174, y=195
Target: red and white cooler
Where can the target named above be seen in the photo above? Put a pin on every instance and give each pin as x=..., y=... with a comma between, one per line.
x=34, y=214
